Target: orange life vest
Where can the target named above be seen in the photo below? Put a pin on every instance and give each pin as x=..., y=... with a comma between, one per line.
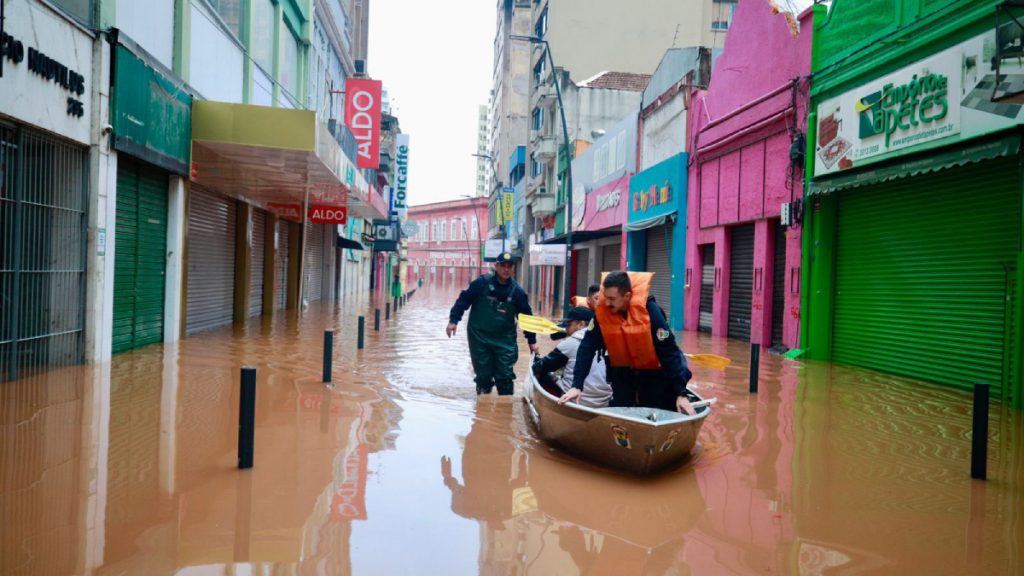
x=581, y=301
x=628, y=340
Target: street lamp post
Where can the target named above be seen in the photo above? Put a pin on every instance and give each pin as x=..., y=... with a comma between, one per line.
x=499, y=185
x=568, y=162
x=479, y=236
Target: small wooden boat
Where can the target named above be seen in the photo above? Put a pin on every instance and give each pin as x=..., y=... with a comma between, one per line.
x=636, y=440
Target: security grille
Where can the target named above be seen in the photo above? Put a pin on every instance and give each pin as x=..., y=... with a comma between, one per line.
x=43, y=228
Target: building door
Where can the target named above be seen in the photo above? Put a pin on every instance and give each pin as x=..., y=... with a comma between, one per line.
x=611, y=256
x=140, y=251
x=211, y=261
x=707, y=288
x=741, y=281
x=256, y=269
x=779, y=286
x=659, y=259
x=924, y=275
x=283, y=254
x=314, y=263
x=43, y=226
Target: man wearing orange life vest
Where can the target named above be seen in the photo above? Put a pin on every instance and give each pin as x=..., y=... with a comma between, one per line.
x=590, y=301
x=645, y=366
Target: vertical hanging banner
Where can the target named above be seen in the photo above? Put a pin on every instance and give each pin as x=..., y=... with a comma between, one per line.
x=362, y=116
x=401, y=173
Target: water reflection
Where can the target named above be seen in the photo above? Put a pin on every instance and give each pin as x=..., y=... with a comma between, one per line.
x=129, y=468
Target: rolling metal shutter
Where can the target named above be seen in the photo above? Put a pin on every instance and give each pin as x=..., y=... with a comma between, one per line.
x=659, y=259
x=923, y=266
x=741, y=281
x=211, y=261
x=281, y=296
x=259, y=246
x=611, y=258
x=314, y=262
x=779, y=286
x=707, y=288
x=582, y=272
x=140, y=255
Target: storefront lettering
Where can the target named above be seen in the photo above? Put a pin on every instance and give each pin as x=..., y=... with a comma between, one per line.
x=48, y=69
x=609, y=200
x=902, y=107
x=646, y=199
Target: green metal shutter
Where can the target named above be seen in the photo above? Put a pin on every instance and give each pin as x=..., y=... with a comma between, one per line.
x=922, y=268
x=140, y=255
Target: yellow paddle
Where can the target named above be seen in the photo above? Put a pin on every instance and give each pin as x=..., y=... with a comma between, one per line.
x=539, y=325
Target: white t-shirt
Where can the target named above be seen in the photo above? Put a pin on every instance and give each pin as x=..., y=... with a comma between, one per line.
x=597, y=393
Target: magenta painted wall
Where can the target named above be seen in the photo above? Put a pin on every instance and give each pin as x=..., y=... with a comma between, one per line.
x=741, y=128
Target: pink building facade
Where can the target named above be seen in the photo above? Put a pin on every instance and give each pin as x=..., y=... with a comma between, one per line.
x=746, y=134
x=446, y=248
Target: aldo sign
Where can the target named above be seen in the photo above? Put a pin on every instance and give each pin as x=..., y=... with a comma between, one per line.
x=362, y=116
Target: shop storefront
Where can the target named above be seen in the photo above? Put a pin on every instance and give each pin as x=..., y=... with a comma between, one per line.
x=657, y=231
x=742, y=272
x=914, y=215
x=45, y=130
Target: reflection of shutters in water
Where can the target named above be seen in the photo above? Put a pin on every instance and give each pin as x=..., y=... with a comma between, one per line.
x=211, y=261
x=779, y=285
x=610, y=258
x=707, y=287
x=141, y=255
x=659, y=258
x=281, y=275
x=741, y=281
x=582, y=272
x=259, y=245
x=314, y=262
x=922, y=273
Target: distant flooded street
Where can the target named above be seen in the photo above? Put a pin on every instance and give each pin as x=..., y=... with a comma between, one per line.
x=398, y=467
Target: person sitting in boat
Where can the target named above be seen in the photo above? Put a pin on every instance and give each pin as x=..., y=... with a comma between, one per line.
x=591, y=300
x=596, y=390
x=645, y=366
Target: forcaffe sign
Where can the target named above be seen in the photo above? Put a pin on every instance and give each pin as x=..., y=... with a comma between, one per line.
x=46, y=60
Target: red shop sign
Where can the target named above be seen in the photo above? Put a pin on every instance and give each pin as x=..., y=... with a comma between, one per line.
x=287, y=210
x=319, y=214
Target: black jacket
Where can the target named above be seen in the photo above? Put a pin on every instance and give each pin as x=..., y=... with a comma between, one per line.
x=481, y=287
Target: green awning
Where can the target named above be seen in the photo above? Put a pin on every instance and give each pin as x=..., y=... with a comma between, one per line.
x=958, y=156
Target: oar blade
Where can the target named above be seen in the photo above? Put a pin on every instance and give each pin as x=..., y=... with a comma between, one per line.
x=709, y=360
x=538, y=325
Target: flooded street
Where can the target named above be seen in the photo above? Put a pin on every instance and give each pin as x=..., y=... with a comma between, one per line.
x=398, y=468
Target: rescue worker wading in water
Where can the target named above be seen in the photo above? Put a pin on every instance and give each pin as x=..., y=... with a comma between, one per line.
x=495, y=301
x=645, y=366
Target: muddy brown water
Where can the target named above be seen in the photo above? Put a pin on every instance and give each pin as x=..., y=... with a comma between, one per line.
x=398, y=468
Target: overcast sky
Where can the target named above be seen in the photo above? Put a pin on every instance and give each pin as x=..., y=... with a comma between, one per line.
x=435, y=61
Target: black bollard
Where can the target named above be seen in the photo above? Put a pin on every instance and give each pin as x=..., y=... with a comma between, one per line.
x=979, y=433
x=376, y=319
x=755, y=366
x=328, y=353
x=387, y=310
x=247, y=417
x=362, y=329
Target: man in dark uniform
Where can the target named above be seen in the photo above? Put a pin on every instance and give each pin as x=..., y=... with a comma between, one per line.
x=645, y=366
x=495, y=301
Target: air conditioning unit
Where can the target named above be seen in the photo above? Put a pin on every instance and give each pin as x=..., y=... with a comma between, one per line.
x=384, y=232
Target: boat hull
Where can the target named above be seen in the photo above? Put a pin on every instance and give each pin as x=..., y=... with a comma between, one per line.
x=635, y=440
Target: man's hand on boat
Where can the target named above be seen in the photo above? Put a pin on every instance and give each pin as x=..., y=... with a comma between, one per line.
x=684, y=405
x=572, y=394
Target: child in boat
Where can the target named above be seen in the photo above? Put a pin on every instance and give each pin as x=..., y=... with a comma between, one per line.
x=596, y=390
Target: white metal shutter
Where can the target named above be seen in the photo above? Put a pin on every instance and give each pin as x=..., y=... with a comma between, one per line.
x=707, y=288
x=259, y=246
x=611, y=256
x=281, y=297
x=778, y=285
x=314, y=262
x=741, y=281
x=211, y=261
x=659, y=261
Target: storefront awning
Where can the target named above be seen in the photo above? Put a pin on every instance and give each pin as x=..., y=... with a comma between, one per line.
x=649, y=223
x=582, y=236
x=346, y=243
x=275, y=155
x=958, y=156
